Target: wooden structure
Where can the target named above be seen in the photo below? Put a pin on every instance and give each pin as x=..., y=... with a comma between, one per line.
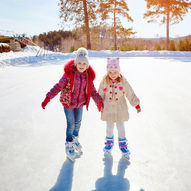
x=4, y=47
x=14, y=43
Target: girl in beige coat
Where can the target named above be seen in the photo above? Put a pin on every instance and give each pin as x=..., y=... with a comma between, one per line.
x=113, y=89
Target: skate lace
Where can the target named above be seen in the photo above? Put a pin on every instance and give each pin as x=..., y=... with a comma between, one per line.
x=125, y=150
x=76, y=142
x=108, y=144
x=108, y=147
x=123, y=147
x=70, y=148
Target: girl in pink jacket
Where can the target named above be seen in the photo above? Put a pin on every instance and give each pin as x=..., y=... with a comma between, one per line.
x=76, y=87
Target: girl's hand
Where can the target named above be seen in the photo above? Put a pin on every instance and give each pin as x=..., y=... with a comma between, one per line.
x=45, y=102
x=138, y=108
x=100, y=106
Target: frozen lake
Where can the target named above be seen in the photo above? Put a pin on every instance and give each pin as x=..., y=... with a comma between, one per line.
x=32, y=151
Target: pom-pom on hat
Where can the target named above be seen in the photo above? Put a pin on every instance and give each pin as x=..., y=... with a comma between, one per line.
x=113, y=64
x=82, y=56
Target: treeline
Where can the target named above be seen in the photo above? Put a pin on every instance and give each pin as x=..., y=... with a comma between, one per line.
x=178, y=45
x=101, y=38
x=90, y=13
x=54, y=40
x=98, y=25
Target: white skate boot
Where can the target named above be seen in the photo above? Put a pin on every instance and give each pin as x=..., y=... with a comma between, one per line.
x=70, y=151
x=123, y=147
x=108, y=146
x=77, y=145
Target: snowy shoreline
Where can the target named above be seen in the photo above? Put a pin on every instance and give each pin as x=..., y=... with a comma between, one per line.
x=28, y=56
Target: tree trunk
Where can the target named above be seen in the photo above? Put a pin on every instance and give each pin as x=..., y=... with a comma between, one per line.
x=115, y=35
x=167, y=30
x=87, y=25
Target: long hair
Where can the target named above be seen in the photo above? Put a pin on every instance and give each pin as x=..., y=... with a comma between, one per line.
x=107, y=79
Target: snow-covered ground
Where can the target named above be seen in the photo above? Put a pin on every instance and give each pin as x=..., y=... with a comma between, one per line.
x=29, y=56
x=32, y=154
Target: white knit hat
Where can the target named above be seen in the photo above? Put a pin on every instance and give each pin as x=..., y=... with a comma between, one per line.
x=82, y=56
x=113, y=64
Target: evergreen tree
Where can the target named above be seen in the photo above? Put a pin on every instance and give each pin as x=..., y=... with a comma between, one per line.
x=78, y=13
x=113, y=9
x=52, y=39
x=170, y=12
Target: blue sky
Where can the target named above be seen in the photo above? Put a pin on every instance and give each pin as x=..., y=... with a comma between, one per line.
x=38, y=16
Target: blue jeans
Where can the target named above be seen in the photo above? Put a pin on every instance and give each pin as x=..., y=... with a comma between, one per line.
x=73, y=118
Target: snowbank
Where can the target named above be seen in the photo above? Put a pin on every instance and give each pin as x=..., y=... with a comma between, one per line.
x=33, y=55
x=4, y=44
x=145, y=53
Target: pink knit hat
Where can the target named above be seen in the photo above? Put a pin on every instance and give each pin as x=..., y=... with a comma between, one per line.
x=113, y=64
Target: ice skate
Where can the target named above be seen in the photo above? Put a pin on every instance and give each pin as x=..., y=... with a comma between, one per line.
x=70, y=151
x=77, y=145
x=108, y=146
x=123, y=147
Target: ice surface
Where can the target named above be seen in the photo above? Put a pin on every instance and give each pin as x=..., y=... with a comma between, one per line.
x=32, y=156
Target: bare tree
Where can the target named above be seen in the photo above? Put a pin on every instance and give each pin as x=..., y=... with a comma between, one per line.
x=78, y=13
x=169, y=11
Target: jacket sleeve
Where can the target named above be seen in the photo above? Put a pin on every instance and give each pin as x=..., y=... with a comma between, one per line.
x=100, y=91
x=95, y=95
x=133, y=99
x=57, y=87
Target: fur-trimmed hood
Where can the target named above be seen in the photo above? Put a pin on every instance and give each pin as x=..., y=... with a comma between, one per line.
x=69, y=69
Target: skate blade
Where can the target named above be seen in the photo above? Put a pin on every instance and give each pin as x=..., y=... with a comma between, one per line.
x=126, y=157
x=107, y=153
x=71, y=158
x=78, y=155
x=79, y=151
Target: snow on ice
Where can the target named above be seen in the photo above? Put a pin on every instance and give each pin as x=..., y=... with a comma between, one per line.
x=32, y=139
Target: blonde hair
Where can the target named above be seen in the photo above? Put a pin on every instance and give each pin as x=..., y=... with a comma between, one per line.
x=106, y=79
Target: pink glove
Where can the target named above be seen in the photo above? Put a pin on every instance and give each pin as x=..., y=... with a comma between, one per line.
x=138, y=108
x=45, y=102
x=100, y=106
